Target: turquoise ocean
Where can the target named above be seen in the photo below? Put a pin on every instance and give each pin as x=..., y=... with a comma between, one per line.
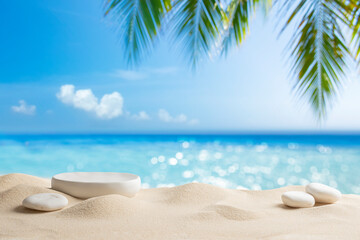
x=233, y=161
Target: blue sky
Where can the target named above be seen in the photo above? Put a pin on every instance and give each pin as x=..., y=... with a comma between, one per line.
x=62, y=70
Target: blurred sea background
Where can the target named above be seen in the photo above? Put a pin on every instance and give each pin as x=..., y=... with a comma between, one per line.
x=254, y=162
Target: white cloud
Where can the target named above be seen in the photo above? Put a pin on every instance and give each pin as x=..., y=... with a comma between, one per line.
x=181, y=118
x=129, y=75
x=193, y=121
x=142, y=74
x=164, y=70
x=110, y=105
x=24, y=108
x=165, y=116
x=142, y=115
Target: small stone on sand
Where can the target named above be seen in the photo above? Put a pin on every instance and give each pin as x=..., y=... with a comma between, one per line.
x=323, y=193
x=298, y=199
x=45, y=202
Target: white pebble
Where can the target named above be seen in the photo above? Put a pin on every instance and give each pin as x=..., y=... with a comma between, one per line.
x=323, y=193
x=298, y=199
x=45, y=202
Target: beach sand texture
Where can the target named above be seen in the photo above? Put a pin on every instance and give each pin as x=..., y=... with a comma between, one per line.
x=192, y=211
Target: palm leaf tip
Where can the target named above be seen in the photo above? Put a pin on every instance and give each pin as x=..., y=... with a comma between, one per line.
x=319, y=52
x=236, y=21
x=138, y=23
x=354, y=9
x=197, y=24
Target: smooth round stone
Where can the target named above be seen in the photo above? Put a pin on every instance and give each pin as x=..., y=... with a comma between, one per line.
x=298, y=199
x=323, y=193
x=45, y=202
x=93, y=184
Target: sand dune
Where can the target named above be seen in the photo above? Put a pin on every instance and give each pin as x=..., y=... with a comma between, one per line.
x=109, y=206
x=191, y=211
x=11, y=180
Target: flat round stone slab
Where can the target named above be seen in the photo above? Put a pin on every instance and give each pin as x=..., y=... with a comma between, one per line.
x=93, y=184
x=298, y=199
x=323, y=193
x=45, y=202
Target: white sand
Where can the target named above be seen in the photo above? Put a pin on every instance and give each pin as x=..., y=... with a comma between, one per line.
x=192, y=211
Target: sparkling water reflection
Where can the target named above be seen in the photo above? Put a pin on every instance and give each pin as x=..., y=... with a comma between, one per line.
x=243, y=162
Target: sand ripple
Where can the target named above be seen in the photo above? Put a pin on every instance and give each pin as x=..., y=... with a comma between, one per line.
x=104, y=207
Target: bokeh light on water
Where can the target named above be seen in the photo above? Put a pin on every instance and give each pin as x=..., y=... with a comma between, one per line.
x=244, y=162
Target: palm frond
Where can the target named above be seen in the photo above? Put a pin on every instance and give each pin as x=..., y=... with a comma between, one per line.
x=319, y=50
x=197, y=24
x=236, y=21
x=355, y=22
x=138, y=23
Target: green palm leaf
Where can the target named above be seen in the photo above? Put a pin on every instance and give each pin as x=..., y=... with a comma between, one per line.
x=355, y=21
x=319, y=50
x=236, y=21
x=197, y=24
x=139, y=22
